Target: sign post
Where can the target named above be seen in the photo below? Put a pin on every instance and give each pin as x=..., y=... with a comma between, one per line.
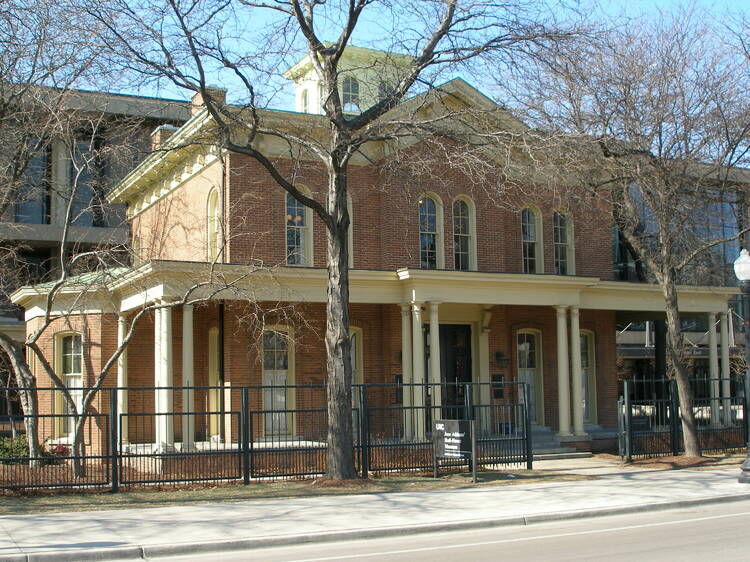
x=454, y=439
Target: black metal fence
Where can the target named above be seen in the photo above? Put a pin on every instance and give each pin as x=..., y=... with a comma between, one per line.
x=171, y=435
x=650, y=424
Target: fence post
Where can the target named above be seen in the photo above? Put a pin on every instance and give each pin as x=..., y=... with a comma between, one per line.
x=673, y=417
x=468, y=402
x=245, y=435
x=364, y=430
x=527, y=426
x=114, y=449
x=628, y=423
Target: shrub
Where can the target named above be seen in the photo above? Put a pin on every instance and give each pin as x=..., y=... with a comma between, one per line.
x=12, y=450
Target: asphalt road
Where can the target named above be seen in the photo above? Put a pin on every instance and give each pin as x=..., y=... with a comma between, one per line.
x=715, y=532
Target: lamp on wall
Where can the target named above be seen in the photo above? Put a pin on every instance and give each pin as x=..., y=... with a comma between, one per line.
x=501, y=359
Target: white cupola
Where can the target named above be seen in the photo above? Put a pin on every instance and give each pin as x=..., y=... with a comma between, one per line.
x=366, y=76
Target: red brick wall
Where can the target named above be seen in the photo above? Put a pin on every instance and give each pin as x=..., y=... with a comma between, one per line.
x=385, y=220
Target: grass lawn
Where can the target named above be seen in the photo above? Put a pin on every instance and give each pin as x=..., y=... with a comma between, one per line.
x=143, y=497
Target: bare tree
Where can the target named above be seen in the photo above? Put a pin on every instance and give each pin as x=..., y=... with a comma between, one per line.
x=651, y=119
x=192, y=45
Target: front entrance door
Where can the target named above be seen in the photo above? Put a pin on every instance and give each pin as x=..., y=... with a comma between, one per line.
x=455, y=369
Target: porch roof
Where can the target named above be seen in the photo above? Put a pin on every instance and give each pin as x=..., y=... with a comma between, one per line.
x=155, y=280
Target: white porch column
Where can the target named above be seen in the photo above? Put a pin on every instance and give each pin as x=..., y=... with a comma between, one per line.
x=563, y=380
x=577, y=374
x=406, y=360
x=417, y=369
x=435, y=375
x=188, y=379
x=122, y=380
x=167, y=376
x=158, y=398
x=725, y=388
x=713, y=369
x=163, y=347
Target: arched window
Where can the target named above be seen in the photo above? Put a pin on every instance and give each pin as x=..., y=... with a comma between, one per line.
x=350, y=95
x=304, y=102
x=213, y=212
x=464, y=243
x=69, y=360
x=298, y=232
x=563, y=240
x=529, y=365
x=588, y=376
x=531, y=236
x=430, y=233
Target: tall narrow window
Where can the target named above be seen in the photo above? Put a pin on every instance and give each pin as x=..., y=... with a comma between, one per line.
x=563, y=246
x=304, y=102
x=350, y=95
x=275, y=380
x=33, y=207
x=298, y=244
x=529, y=367
x=463, y=243
x=71, y=360
x=86, y=184
x=428, y=233
x=588, y=377
x=530, y=235
x=322, y=98
x=213, y=213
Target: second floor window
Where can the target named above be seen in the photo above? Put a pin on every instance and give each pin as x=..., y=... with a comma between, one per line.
x=33, y=202
x=86, y=183
x=530, y=235
x=350, y=95
x=428, y=233
x=563, y=244
x=297, y=233
x=214, y=225
x=461, y=235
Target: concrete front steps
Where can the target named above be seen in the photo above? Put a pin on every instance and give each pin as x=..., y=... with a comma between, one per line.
x=545, y=445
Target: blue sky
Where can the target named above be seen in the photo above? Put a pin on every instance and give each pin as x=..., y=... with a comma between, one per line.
x=371, y=30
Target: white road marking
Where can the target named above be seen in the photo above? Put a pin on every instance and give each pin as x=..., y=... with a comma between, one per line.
x=522, y=539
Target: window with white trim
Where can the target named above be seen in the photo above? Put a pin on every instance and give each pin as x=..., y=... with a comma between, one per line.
x=463, y=236
x=588, y=376
x=429, y=233
x=350, y=94
x=298, y=232
x=213, y=221
x=71, y=373
x=563, y=243
x=530, y=238
x=304, y=102
x=276, y=377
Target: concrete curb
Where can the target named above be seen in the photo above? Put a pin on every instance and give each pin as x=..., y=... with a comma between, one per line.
x=164, y=550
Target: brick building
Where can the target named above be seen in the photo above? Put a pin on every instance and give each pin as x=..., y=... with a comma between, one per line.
x=446, y=286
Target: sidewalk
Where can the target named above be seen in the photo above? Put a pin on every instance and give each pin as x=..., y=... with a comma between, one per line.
x=150, y=533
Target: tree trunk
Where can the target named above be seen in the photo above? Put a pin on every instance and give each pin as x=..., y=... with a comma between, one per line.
x=676, y=345
x=79, y=448
x=27, y=395
x=340, y=461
